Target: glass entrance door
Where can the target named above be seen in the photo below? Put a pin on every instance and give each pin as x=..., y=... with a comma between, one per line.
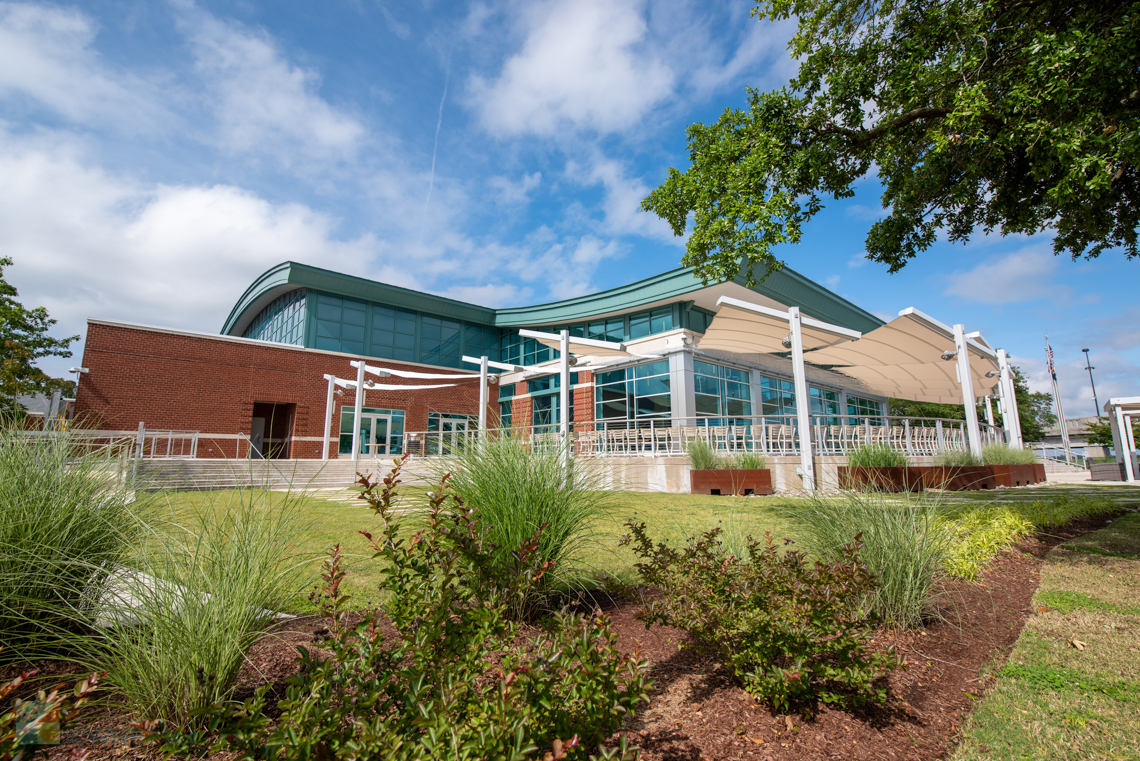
x=381, y=432
x=451, y=434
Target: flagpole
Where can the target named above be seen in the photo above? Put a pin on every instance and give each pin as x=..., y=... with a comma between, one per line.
x=1057, y=400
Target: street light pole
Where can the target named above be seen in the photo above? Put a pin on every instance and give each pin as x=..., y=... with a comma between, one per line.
x=1090, y=368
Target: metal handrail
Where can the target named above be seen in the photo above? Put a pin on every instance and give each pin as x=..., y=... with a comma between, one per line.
x=762, y=434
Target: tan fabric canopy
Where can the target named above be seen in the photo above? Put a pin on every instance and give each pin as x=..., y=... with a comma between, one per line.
x=903, y=359
x=753, y=329
x=580, y=346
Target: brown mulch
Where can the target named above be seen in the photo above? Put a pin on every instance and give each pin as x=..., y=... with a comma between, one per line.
x=698, y=712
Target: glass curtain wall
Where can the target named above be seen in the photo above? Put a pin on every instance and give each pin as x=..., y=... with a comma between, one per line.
x=860, y=409
x=723, y=393
x=545, y=393
x=633, y=395
x=282, y=321
x=778, y=398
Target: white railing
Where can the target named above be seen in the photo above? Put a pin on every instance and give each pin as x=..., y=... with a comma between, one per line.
x=767, y=435
x=142, y=443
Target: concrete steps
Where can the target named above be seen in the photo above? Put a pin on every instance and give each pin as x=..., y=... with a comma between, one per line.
x=278, y=475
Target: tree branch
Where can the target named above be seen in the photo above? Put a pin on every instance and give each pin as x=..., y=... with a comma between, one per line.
x=860, y=136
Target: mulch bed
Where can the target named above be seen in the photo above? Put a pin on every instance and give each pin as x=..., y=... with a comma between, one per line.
x=697, y=711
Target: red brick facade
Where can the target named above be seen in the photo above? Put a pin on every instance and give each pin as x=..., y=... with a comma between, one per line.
x=189, y=382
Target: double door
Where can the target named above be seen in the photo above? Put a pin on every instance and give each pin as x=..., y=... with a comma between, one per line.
x=376, y=435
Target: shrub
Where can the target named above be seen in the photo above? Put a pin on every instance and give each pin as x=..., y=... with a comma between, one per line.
x=204, y=591
x=957, y=459
x=903, y=545
x=1003, y=454
x=66, y=520
x=702, y=455
x=978, y=532
x=29, y=725
x=516, y=490
x=749, y=461
x=875, y=456
x=793, y=632
x=456, y=679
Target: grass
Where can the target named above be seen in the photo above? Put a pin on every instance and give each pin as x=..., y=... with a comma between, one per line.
x=1003, y=454
x=203, y=590
x=875, y=456
x=65, y=518
x=703, y=456
x=904, y=544
x=960, y=459
x=1053, y=700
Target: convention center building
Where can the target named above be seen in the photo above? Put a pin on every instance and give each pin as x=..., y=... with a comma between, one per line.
x=647, y=364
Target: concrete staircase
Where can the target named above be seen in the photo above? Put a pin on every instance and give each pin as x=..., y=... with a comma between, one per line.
x=278, y=475
x=1060, y=466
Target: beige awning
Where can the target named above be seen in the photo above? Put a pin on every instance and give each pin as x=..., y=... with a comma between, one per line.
x=752, y=329
x=580, y=346
x=903, y=359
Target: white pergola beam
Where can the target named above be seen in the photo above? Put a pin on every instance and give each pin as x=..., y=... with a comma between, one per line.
x=780, y=315
x=966, y=378
x=357, y=408
x=573, y=340
x=492, y=363
x=949, y=331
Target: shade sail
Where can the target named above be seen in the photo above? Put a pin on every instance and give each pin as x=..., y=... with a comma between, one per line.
x=386, y=371
x=580, y=346
x=903, y=359
x=370, y=386
x=751, y=329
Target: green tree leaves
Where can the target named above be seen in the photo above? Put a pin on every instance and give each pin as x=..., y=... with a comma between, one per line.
x=1007, y=116
x=23, y=340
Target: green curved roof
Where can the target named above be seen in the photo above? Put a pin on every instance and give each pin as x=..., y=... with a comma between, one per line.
x=785, y=286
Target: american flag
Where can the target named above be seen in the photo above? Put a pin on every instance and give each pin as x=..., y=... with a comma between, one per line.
x=1049, y=358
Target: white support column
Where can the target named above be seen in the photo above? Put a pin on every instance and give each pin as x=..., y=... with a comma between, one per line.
x=482, y=397
x=989, y=412
x=564, y=399
x=1009, y=415
x=1122, y=442
x=682, y=392
x=357, y=407
x=328, y=416
x=803, y=400
x=973, y=434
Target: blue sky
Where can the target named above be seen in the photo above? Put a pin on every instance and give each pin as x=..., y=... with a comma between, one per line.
x=157, y=156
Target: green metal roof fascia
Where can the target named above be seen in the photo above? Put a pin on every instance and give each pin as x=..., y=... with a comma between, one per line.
x=671, y=284
x=315, y=278
x=271, y=278
x=790, y=287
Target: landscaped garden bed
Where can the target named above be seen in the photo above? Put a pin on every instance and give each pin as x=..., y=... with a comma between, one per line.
x=948, y=477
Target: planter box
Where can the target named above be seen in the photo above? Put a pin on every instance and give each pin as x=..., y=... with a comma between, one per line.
x=1018, y=475
x=1107, y=471
x=959, y=477
x=893, y=478
x=730, y=481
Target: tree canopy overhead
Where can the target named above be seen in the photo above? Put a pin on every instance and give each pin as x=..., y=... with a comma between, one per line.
x=1001, y=115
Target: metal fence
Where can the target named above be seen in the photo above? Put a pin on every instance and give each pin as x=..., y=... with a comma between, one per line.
x=768, y=435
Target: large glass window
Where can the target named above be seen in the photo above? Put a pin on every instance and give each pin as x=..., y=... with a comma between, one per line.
x=394, y=333
x=824, y=406
x=506, y=405
x=721, y=391
x=860, y=409
x=282, y=321
x=779, y=398
x=440, y=341
x=340, y=324
x=545, y=396
x=638, y=392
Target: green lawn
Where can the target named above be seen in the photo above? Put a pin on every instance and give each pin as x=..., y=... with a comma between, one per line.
x=1055, y=699
x=335, y=517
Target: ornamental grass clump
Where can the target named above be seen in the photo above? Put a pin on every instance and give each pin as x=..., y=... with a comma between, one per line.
x=749, y=461
x=794, y=631
x=957, y=459
x=875, y=456
x=903, y=544
x=455, y=676
x=1003, y=454
x=517, y=489
x=702, y=455
x=67, y=518
x=201, y=591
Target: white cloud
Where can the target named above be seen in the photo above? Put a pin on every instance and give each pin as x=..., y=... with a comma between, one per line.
x=762, y=56
x=584, y=64
x=1024, y=275
x=396, y=27
x=865, y=213
x=263, y=102
x=621, y=205
x=512, y=192
x=1115, y=375
x=857, y=261
x=88, y=243
x=46, y=55
x=832, y=282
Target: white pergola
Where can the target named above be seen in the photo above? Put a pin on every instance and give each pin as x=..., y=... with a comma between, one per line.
x=362, y=386
x=1121, y=412
x=740, y=326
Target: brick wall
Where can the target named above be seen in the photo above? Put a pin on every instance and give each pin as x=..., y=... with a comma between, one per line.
x=198, y=383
